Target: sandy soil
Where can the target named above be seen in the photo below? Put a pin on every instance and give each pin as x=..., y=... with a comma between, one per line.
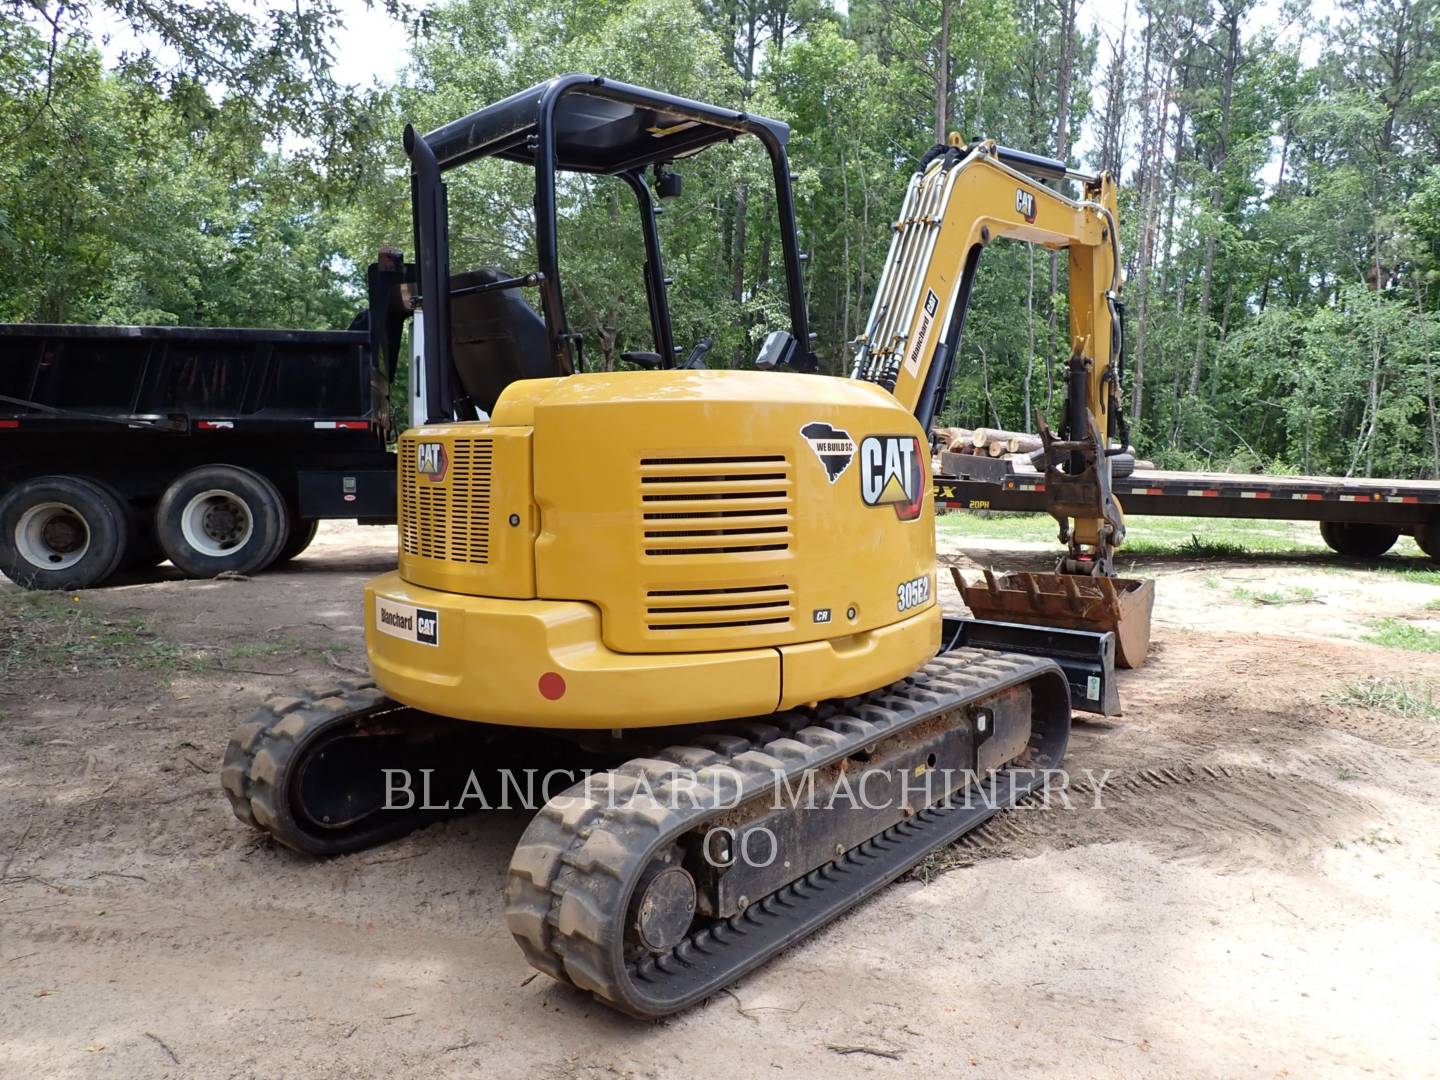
x=1257, y=896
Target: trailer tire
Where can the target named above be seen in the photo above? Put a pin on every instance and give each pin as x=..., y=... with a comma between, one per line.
x=302, y=532
x=1121, y=466
x=1359, y=540
x=61, y=532
x=221, y=518
x=1428, y=537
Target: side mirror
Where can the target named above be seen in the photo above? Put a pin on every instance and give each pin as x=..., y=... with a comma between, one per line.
x=778, y=347
x=668, y=185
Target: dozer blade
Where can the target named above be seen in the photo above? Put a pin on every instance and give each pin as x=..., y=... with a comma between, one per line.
x=1119, y=605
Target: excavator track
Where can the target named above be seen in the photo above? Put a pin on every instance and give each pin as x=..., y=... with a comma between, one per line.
x=308, y=770
x=571, y=898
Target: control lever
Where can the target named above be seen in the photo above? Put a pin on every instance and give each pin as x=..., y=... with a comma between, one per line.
x=696, y=359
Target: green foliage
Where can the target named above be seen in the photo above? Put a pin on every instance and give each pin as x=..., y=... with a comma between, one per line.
x=44, y=632
x=1398, y=634
x=1285, y=594
x=1193, y=546
x=113, y=212
x=1280, y=204
x=1394, y=696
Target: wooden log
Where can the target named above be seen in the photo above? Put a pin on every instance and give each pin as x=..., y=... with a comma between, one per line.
x=1013, y=442
x=955, y=440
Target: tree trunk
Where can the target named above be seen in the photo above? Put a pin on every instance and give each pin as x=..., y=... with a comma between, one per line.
x=1429, y=385
x=1030, y=324
x=1181, y=119
x=1430, y=406
x=1279, y=183
x=1062, y=152
x=1217, y=164
x=737, y=253
x=1113, y=124
x=942, y=75
x=1152, y=160
x=845, y=250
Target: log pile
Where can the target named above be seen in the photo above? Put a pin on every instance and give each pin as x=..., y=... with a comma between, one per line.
x=993, y=442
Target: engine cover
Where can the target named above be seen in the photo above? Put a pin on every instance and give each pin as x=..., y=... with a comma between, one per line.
x=697, y=510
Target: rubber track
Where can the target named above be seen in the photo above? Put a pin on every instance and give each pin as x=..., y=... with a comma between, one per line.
x=575, y=868
x=258, y=763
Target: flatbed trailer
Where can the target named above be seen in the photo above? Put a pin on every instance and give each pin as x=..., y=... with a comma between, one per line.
x=1358, y=517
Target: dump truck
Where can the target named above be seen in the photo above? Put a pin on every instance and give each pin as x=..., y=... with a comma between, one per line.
x=218, y=449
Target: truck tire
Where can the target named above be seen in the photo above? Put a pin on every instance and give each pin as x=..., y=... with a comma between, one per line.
x=301, y=533
x=61, y=532
x=142, y=548
x=1357, y=540
x=1121, y=466
x=221, y=518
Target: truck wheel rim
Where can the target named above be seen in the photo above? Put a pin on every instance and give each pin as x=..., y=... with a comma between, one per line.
x=52, y=536
x=216, y=523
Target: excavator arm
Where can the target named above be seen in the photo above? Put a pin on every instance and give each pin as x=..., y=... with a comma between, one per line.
x=960, y=199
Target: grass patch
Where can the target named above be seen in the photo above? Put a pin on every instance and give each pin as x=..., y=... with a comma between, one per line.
x=1186, y=537
x=1193, y=546
x=1409, y=573
x=1286, y=594
x=42, y=634
x=1399, y=634
x=249, y=649
x=1393, y=696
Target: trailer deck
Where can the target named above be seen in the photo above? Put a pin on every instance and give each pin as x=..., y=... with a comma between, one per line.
x=1407, y=506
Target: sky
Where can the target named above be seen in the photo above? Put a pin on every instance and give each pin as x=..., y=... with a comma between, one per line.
x=370, y=47
x=373, y=47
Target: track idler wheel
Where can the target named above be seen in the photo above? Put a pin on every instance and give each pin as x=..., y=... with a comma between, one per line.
x=311, y=771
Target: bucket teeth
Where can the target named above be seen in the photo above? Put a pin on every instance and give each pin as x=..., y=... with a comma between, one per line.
x=1119, y=605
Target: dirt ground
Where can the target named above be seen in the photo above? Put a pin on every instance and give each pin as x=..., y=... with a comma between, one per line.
x=1258, y=895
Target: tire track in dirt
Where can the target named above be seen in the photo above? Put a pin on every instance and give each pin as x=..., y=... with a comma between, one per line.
x=1225, y=815
x=1393, y=732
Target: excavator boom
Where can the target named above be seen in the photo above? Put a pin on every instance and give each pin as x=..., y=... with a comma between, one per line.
x=960, y=199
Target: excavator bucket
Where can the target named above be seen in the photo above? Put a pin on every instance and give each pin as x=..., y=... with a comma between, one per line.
x=1120, y=605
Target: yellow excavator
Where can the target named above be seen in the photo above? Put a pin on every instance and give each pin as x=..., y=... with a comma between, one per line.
x=714, y=588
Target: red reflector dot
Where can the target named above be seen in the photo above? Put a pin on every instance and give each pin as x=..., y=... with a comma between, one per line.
x=552, y=686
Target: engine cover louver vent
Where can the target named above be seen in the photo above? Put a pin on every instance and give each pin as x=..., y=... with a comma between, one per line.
x=669, y=610
x=716, y=505
x=449, y=518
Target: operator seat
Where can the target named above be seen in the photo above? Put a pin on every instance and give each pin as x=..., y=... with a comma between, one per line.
x=496, y=338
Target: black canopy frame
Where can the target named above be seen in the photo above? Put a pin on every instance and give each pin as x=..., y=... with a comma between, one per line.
x=583, y=123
